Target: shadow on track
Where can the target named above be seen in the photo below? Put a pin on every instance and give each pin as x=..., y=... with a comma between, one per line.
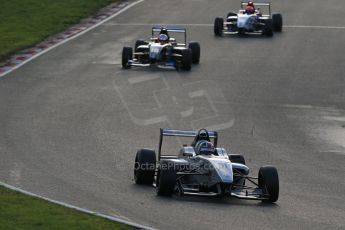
x=219, y=201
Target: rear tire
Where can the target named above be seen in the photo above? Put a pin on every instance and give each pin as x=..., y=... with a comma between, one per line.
x=145, y=166
x=231, y=27
x=127, y=55
x=139, y=43
x=277, y=22
x=218, y=26
x=186, y=59
x=269, y=182
x=268, y=28
x=237, y=158
x=166, y=179
x=195, y=48
x=230, y=14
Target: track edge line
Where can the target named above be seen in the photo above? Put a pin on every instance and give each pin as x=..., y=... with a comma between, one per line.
x=87, y=211
x=71, y=38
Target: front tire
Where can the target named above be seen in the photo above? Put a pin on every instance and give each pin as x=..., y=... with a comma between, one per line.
x=269, y=182
x=186, y=59
x=195, y=48
x=218, y=26
x=277, y=22
x=127, y=55
x=145, y=166
x=166, y=179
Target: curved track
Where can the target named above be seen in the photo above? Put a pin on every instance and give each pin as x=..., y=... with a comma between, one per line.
x=72, y=119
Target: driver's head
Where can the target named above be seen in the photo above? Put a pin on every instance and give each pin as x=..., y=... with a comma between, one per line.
x=250, y=10
x=250, y=3
x=163, y=39
x=204, y=148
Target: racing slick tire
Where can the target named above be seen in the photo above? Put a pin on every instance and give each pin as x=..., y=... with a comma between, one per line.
x=218, y=26
x=269, y=182
x=268, y=28
x=230, y=14
x=237, y=158
x=145, y=166
x=166, y=179
x=277, y=22
x=186, y=59
x=232, y=26
x=195, y=48
x=127, y=55
x=139, y=43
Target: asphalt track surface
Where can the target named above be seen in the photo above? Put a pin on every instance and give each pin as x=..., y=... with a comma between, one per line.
x=72, y=119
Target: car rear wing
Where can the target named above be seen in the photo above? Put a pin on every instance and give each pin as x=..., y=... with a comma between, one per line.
x=267, y=4
x=183, y=133
x=157, y=29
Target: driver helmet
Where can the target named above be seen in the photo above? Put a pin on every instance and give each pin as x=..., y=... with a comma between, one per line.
x=250, y=10
x=163, y=39
x=204, y=148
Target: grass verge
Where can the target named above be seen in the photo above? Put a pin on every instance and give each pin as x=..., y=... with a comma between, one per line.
x=18, y=211
x=25, y=23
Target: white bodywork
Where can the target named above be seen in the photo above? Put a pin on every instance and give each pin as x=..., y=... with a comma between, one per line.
x=219, y=163
x=222, y=166
x=246, y=21
x=155, y=50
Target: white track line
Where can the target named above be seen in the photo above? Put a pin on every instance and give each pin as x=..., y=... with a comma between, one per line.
x=209, y=25
x=315, y=27
x=156, y=24
x=112, y=218
x=73, y=37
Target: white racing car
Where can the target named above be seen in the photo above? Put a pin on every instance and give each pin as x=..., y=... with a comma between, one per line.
x=162, y=51
x=250, y=20
x=202, y=168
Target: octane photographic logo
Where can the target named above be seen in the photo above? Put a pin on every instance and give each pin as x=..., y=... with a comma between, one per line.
x=223, y=167
x=170, y=98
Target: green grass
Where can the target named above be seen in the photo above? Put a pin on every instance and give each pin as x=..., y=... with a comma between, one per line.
x=24, y=23
x=18, y=211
